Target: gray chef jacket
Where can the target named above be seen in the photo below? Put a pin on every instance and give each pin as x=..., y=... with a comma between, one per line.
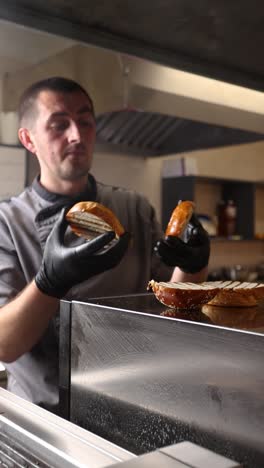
x=25, y=222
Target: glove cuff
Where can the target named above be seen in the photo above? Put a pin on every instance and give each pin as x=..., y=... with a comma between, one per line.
x=198, y=262
x=46, y=287
x=194, y=269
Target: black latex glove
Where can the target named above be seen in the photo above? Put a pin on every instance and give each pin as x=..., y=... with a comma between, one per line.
x=190, y=254
x=63, y=267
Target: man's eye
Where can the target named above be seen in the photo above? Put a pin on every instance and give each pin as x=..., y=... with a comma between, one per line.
x=86, y=123
x=59, y=126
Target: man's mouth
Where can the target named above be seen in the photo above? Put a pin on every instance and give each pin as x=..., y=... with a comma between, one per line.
x=76, y=151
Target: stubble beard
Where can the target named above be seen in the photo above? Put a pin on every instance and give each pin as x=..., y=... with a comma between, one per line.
x=72, y=173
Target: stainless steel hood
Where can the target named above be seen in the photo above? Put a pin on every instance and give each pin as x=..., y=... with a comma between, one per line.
x=155, y=134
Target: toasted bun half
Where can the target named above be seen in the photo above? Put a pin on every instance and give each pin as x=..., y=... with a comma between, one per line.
x=238, y=294
x=233, y=299
x=183, y=295
x=90, y=219
x=214, y=293
x=180, y=217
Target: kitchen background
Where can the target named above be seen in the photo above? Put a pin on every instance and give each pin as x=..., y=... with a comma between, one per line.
x=123, y=84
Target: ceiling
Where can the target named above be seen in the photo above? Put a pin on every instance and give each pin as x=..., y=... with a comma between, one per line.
x=212, y=38
x=217, y=38
x=21, y=47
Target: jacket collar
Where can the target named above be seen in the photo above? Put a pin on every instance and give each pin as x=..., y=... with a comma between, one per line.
x=58, y=201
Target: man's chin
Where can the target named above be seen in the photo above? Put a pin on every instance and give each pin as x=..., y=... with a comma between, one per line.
x=76, y=174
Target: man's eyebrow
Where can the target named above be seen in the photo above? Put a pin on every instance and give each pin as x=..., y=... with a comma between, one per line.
x=85, y=109
x=57, y=114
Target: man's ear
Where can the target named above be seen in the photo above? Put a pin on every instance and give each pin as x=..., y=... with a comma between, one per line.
x=25, y=138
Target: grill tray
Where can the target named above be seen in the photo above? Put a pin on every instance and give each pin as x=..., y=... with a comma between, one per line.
x=12, y=455
x=20, y=448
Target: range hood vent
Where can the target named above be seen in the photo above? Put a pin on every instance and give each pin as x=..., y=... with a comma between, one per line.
x=157, y=134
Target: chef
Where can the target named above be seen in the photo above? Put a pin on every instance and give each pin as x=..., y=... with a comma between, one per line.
x=38, y=267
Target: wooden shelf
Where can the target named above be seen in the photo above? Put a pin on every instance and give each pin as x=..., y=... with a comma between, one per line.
x=243, y=193
x=226, y=239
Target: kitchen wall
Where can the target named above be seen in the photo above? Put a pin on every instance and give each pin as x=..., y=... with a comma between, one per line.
x=1, y=93
x=63, y=64
x=76, y=63
x=1, y=103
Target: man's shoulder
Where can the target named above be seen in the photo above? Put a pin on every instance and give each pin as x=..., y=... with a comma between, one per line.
x=23, y=201
x=129, y=205
x=119, y=192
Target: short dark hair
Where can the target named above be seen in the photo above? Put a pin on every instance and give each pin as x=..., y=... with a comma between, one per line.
x=27, y=108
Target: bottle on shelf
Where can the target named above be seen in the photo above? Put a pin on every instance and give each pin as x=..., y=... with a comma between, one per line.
x=227, y=215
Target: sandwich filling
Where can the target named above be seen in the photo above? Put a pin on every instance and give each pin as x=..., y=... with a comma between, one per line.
x=90, y=223
x=90, y=219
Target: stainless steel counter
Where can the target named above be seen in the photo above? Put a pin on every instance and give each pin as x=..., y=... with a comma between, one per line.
x=31, y=436
x=144, y=380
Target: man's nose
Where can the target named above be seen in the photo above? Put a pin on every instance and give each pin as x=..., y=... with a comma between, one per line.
x=74, y=132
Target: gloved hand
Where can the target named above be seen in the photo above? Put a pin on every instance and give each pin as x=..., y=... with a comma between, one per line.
x=63, y=267
x=190, y=254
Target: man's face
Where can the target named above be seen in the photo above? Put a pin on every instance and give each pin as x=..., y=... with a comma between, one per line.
x=63, y=135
